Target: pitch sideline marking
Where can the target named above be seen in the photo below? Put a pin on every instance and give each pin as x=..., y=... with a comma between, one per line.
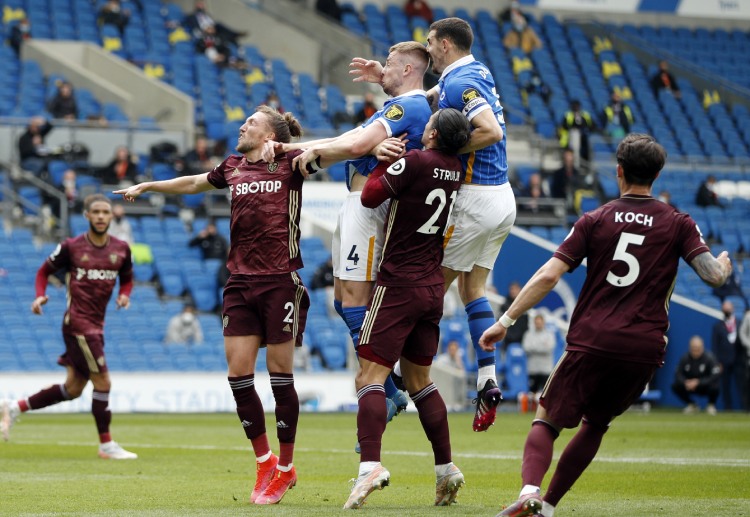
x=716, y=462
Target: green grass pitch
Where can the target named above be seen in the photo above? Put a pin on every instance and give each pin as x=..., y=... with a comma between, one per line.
x=661, y=463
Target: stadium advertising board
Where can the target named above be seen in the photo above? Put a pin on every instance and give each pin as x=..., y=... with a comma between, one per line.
x=715, y=8
x=614, y=6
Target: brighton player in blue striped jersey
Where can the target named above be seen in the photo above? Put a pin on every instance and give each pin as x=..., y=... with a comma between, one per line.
x=485, y=209
x=358, y=239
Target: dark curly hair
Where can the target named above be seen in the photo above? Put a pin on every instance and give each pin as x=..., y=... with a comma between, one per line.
x=453, y=130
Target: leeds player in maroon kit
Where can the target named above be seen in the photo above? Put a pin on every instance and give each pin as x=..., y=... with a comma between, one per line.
x=92, y=263
x=406, y=306
x=265, y=302
x=617, y=331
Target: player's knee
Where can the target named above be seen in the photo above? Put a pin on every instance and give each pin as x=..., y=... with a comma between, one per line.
x=74, y=391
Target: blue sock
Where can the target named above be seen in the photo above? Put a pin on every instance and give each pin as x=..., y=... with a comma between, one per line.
x=339, y=308
x=481, y=318
x=390, y=387
x=354, y=317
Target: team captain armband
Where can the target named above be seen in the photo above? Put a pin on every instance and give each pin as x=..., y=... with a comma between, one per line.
x=506, y=321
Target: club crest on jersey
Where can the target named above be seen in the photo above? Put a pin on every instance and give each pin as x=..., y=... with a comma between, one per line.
x=469, y=95
x=273, y=166
x=395, y=112
x=397, y=168
x=113, y=258
x=85, y=257
x=235, y=173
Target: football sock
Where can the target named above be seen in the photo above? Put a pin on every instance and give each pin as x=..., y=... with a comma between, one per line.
x=547, y=509
x=249, y=408
x=102, y=414
x=481, y=318
x=287, y=414
x=265, y=457
x=442, y=470
x=339, y=308
x=47, y=397
x=537, y=453
x=529, y=489
x=371, y=420
x=261, y=447
x=390, y=387
x=366, y=467
x=354, y=317
x=434, y=418
x=284, y=468
x=23, y=405
x=573, y=461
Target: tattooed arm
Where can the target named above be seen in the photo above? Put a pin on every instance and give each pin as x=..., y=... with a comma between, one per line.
x=713, y=271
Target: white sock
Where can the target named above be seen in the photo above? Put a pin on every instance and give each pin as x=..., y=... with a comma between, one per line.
x=261, y=459
x=484, y=374
x=284, y=469
x=397, y=368
x=529, y=489
x=366, y=467
x=442, y=470
x=547, y=509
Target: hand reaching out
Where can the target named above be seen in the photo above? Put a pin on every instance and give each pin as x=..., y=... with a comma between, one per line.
x=365, y=70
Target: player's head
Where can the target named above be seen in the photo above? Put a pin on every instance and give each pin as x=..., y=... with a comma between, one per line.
x=97, y=208
x=267, y=124
x=404, y=68
x=696, y=347
x=447, y=131
x=641, y=158
x=447, y=40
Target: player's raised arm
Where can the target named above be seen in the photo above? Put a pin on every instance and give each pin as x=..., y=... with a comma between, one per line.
x=348, y=146
x=713, y=271
x=487, y=131
x=182, y=185
x=365, y=70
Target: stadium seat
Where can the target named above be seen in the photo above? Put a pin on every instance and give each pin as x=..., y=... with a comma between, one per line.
x=516, y=377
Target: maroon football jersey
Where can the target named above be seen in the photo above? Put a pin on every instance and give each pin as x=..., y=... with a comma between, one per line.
x=91, y=275
x=264, y=227
x=423, y=187
x=633, y=246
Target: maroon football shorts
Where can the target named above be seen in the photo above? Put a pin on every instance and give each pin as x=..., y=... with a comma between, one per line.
x=84, y=353
x=596, y=388
x=402, y=321
x=271, y=306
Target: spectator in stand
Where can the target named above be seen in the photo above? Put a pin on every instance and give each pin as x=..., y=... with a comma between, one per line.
x=664, y=80
x=617, y=117
x=368, y=109
x=63, y=104
x=213, y=46
x=184, y=328
x=122, y=170
x=516, y=332
x=706, y=196
x=273, y=101
x=697, y=373
x=535, y=85
x=745, y=351
x=666, y=197
x=211, y=243
x=725, y=344
x=575, y=128
x=566, y=179
x=323, y=276
x=418, y=9
x=199, y=22
x=521, y=35
x=18, y=34
x=112, y=13
x=199, y=159
x=507, y=13
x=452, y=356
x=120, y=225
x=539, y=345
x=534, y=191
x=31, y=147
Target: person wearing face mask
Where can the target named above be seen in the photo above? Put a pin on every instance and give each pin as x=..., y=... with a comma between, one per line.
x=18, y=34
x=200, y=22
x=521, y=34
x=725, y=345
x=272, y=101
x=184, y=328
x=120, y=226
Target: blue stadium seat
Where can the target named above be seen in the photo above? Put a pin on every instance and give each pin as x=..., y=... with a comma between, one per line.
x=516, y=377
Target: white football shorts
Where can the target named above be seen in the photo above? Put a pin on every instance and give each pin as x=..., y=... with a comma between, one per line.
x=479, y=223
x=357, y=244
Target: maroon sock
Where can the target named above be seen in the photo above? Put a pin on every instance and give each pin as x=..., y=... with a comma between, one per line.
x=249, y=406
x=371, y=419
x=101, y=412
x=574, y=460
x=260, y=445
x=287, y=414
x=434, y=418
x=537, y=453
x=48, y=397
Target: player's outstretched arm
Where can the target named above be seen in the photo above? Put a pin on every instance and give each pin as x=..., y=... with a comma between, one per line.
x=487, y=131
x=365, y=70
x=543, y=281
x=183, y=185
x=713, y=271
x=36, y=305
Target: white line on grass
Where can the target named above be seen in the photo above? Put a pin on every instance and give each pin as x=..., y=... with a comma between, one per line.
x=717, y=462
